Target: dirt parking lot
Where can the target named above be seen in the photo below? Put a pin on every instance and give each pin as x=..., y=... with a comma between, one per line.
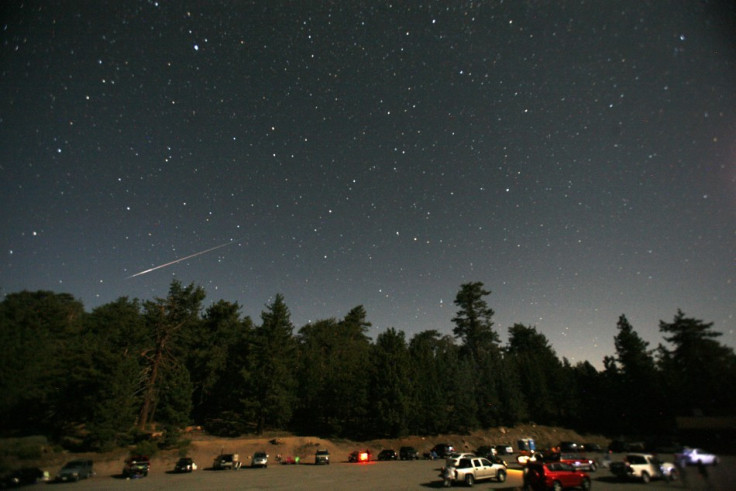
x=421, y=474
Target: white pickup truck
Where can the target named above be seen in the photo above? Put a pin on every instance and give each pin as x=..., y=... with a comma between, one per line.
x=643, y=466
x=468, y=469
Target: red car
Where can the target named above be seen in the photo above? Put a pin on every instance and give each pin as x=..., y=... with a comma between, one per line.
x=554, y=475
x=360, y=456
x=578, y=461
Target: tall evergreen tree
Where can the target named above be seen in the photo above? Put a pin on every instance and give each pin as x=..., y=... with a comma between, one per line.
x=638, y=388
x=473, y=322
x=274, y=362
x=354, y=384
x=632, y=354
x=169, y=319
x=429, y=353
x=474, y=326
x=318, y=367
x=390, y=384
x=697, y=367
x=39, y=332
x=460, y=380
x=593, y=412
x=109, y=362
x=208, y=352
x=334, y=372
x=539, y=372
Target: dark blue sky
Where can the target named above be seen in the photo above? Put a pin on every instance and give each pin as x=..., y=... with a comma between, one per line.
x=578, y=158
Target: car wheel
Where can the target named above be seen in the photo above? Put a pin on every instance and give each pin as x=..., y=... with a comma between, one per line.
x=469, y=480
x=501, y=475
x=557, y=486
x=585, y=484
x=645, y=477
x=447, y=483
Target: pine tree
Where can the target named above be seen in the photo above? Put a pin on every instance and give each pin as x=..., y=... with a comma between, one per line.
x=390, y=384
x=473, y=322
x=697, y=367
x=274, y=362
x=168, y=318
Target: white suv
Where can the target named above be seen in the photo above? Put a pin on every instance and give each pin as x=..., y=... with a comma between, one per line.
x=469, y=469
x=453, y=459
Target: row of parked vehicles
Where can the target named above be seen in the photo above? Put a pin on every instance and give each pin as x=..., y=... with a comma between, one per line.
x=138, y=466
x=560, y=467
x=564, y=466
x=71, y=471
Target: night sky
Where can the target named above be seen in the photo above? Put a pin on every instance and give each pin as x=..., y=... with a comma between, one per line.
x=578, y=158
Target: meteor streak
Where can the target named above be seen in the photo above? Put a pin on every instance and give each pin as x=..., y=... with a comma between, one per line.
x=182, y=259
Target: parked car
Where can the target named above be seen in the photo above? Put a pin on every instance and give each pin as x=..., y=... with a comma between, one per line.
x=592, y=448
x=662, y=444
x=185, y=464
x=408, y=453
x=578, y=461
x=75, y=470
x=322, y=457
x=693, y=456
x=485, y=451
x=505, y=449
x=644, y=467
x=618, y=446
x=360, y=456
x=24, y=477
x=441, y=450
x=230, y=461
x=569, y=447
x=554, y=475
x=388, y=454
x=468, y=469
x=259, y=459
x=136, y=466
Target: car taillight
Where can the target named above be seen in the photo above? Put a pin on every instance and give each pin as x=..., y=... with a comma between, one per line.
x=363, y=456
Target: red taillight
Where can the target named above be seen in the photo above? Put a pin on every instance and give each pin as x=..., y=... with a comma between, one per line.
x=363, y=456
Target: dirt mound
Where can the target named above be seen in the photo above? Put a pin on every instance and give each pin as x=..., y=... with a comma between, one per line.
x=204, y=448
x=544, y=436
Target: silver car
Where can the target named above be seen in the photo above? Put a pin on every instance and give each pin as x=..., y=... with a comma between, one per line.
x=260, y=459
x=693, y=456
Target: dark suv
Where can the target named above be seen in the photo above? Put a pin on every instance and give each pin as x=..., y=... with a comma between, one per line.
x=442, y=450
x=136, y=466
x=227, y=461
x=408, y=453
x=388, y=454
x=322, y=457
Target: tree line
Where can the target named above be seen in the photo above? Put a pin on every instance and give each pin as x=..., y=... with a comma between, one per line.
x=96, y=380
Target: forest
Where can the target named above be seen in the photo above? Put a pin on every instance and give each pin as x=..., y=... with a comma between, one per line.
x=100, y=379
